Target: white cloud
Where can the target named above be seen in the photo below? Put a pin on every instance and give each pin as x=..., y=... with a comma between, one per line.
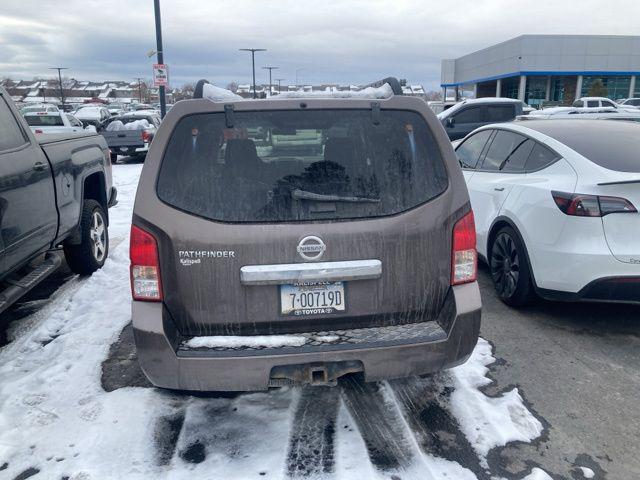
x=334, y=41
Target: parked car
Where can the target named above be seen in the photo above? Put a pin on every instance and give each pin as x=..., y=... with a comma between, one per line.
x=39, y=107
x=55, y=191
x=556, y=204
x=131, y=133
x=52, y=122
x=583, y=113
x=466, y=116
x=93, y=115
x=439, y=106
x=631, y=102
x=601, y=102
x=253, y=271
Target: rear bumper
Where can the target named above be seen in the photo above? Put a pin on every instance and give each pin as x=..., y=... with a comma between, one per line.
x=609, y=289
x=167, y=364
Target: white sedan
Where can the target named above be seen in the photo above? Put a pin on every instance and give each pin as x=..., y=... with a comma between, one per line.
x=53, y=122
x=556, y=207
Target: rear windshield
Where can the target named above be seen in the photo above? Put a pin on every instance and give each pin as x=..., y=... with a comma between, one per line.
x=283, y=166
x=44, y=120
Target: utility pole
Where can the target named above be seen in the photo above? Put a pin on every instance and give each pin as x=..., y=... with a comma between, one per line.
x=270, y=68
x=139, y=79
x=161, y=93
x=60, y=80
x=253, y=63
x=279, y=80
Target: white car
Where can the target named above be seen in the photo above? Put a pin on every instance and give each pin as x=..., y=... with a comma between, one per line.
x=600, y=102
x=556, y=207
x=93, y=115
x=631, y=102
x=39, y=107
x=53, y=122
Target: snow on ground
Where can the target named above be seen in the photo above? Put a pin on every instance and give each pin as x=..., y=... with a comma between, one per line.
x=56, y=418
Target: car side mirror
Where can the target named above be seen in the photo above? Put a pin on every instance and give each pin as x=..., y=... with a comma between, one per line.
x=450, y=122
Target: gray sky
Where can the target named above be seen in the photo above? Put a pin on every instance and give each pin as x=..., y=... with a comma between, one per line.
x=332, y=41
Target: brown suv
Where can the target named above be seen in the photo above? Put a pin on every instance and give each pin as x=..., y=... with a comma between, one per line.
x=297, y=240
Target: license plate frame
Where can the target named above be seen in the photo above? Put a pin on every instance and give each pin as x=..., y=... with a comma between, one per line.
x=288, y=309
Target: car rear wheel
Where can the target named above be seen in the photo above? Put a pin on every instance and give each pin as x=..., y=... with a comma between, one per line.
x=91, y=253
x=510, y=269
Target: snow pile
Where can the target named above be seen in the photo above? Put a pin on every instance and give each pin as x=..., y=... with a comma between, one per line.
x=489, y=422
x=384, y=91
x=217, y=94
x=251, y=341
x=117, y=125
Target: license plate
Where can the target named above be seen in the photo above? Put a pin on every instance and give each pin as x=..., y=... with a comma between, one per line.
x=312, y=298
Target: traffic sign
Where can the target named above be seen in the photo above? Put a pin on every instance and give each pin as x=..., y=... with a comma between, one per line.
x=160, y=75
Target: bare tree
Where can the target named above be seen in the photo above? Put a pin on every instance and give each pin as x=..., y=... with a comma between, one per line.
x=233, y=86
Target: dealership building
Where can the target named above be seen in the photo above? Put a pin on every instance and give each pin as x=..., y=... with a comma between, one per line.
x=548, y=68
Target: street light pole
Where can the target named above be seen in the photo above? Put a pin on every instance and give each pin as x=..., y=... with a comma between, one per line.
x=161, y=93
x=270, y=68
x=279, y=80
x=60, y=80
x=253, y=63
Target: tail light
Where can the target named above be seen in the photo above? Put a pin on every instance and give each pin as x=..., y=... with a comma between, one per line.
x=580, y=205
x=464, y=259
x=37, y=130
x=146, y=136
x=145, y=268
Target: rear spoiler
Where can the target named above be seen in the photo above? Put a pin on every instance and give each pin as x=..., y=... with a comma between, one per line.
x=621, y=182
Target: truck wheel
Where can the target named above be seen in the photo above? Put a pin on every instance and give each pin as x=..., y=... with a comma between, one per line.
x=510, y=269
x=90, y=254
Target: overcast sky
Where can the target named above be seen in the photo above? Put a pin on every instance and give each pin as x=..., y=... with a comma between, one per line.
x=331, y=41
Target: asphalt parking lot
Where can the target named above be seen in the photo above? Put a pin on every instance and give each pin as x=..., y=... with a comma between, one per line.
x=575, y=365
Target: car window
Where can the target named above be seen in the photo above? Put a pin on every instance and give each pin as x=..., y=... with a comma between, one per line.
x=634, y=101
x=283, y=166
x=592, y=103
x=468, y=115
x=11, y=135
x=503, y=144
x=469, y=151
x=606, y=103
x=44, y=120
x=539, y=158
x=500, y=113
x=515, y=162
x=578, y=103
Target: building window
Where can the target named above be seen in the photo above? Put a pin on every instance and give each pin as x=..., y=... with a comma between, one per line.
x=536, y=90
x=509, y=87
x=613, y=87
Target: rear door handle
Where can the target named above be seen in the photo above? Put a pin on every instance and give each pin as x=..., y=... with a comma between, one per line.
x=39, y=166
x=499, y=189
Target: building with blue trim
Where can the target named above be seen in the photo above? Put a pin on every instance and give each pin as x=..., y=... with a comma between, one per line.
x=548, y=68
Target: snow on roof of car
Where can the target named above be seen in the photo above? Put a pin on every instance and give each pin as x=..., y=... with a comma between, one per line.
x=383, y=91
x=218, y=94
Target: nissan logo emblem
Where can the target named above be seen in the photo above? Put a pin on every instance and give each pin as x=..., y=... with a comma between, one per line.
x=311, y=248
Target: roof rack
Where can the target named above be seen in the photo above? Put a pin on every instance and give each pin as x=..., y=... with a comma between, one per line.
x=392, y=81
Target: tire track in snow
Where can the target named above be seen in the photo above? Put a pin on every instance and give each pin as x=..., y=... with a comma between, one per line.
x=437, y=431
x=311, y=445
x=380, y=424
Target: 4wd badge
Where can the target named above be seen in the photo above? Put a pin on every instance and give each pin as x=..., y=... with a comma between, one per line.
x=311, y=248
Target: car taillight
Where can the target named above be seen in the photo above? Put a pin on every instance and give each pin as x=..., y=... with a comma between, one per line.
x=146, y=136
x=464, y=259
x=581, y=205
x=37, y=130
x=145, y=268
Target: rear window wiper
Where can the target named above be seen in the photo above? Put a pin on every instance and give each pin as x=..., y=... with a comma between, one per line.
x=298, y=194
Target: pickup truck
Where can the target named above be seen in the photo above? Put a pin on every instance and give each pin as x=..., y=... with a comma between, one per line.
x=131, y=133
x=53, y=122
x=55, y=191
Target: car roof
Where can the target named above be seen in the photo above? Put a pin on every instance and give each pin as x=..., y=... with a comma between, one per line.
x=43, y=112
